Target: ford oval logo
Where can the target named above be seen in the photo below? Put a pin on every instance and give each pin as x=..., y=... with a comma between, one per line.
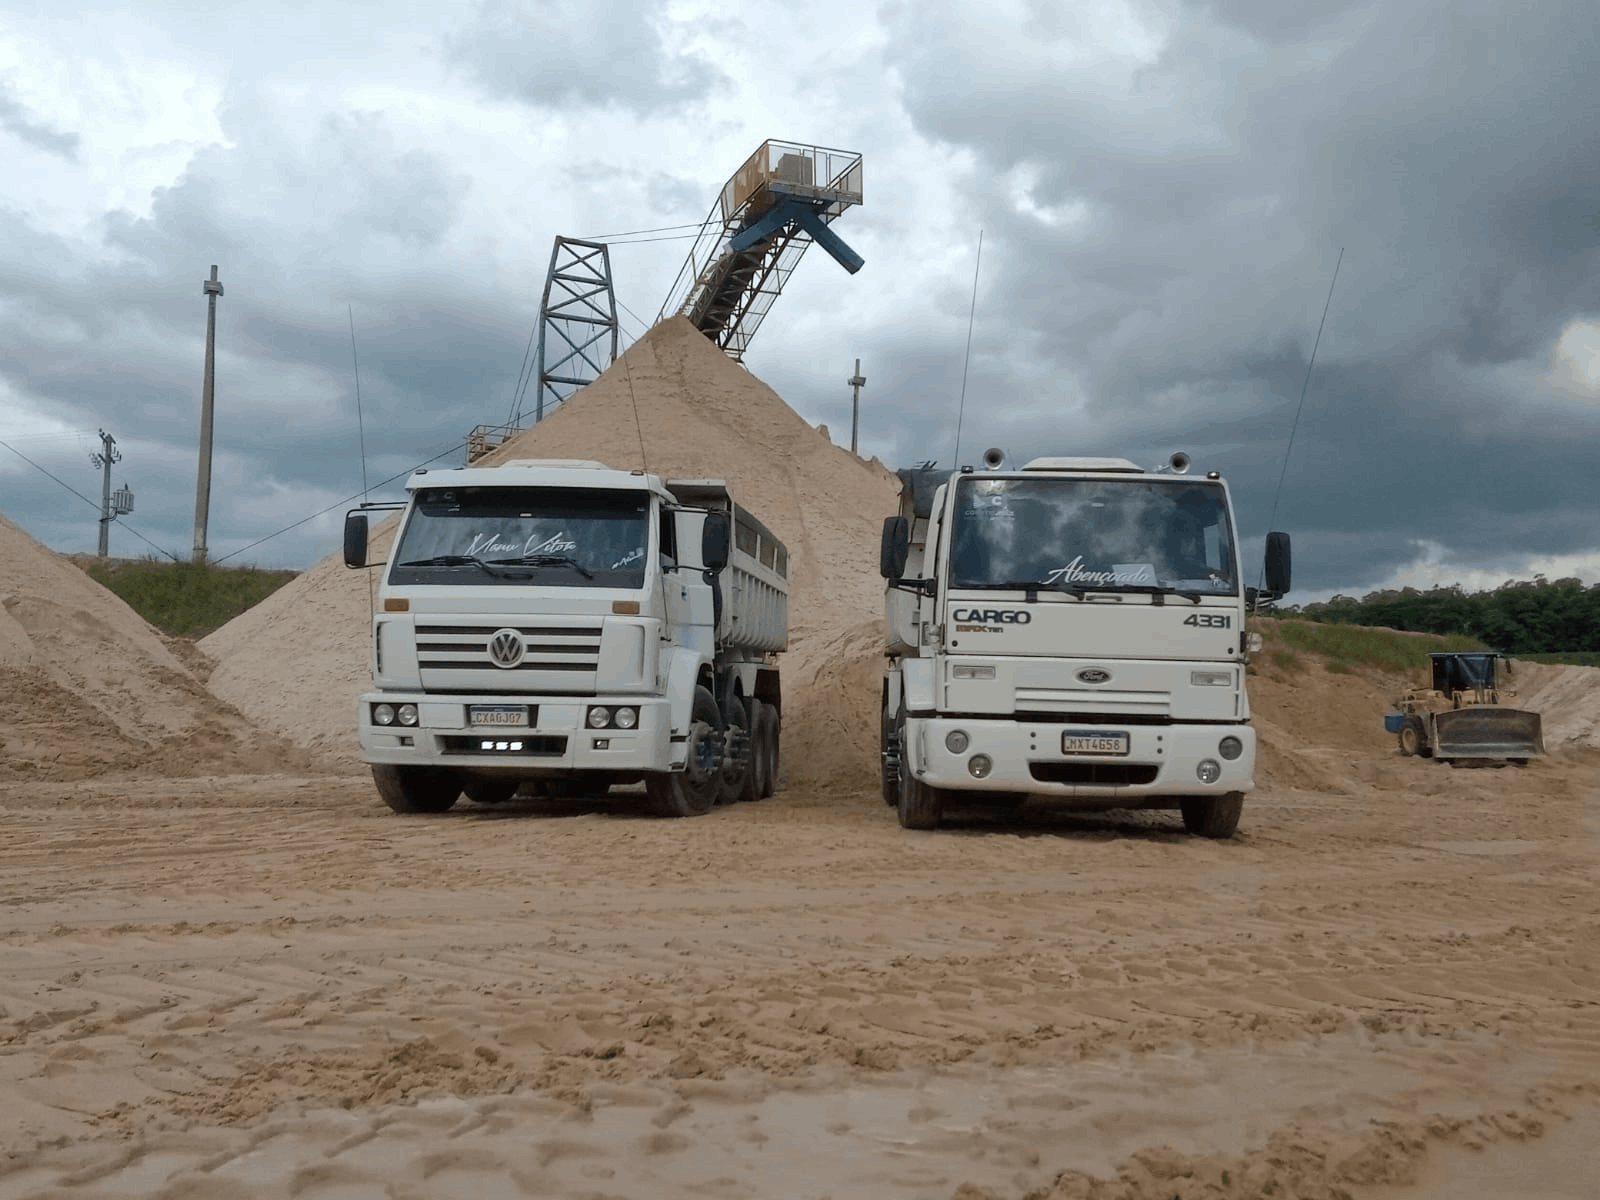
x=506, y=648
x=1094, y=675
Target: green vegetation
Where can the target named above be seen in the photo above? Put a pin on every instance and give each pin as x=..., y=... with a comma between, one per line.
x=1520, y=617
x=182, y=599
x=1347, y=646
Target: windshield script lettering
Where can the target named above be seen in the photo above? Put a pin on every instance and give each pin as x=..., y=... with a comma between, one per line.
x=493, y=543
x=1075, y=572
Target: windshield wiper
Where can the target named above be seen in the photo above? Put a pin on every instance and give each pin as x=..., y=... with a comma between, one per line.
x=463, y=560
x=1157, y=592
x=548, y=560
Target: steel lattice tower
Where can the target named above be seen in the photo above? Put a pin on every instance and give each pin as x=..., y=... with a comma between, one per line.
x=577, y=321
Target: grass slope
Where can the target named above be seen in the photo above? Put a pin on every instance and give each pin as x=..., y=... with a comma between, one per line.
x=182, y=599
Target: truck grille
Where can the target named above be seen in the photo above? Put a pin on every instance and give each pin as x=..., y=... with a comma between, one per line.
x=545, y=647
x=1103, y=774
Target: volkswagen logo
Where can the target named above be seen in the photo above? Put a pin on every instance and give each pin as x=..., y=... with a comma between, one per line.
x=506, y=648
x=1094, y=675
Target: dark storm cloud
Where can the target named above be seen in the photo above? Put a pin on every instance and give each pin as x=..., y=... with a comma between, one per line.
x=301, y=230
x=21, y=123
x=1183, y=218
x=579, y=53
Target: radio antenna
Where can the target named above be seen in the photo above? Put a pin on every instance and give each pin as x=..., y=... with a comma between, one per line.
x=1311, y=362
x=361, y=428
x=961, y=408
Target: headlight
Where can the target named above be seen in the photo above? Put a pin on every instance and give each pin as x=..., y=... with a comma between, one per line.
x=971, y=671
x=1230, y=748
x=1211, y=678
x=979, y=765
x=598, y=718
x=383, y=714
x=1208, y=771
x=956, y=741
x=627, y=718
x=408, y=714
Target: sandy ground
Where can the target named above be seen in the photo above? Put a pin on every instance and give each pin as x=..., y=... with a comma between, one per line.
x=271, y=986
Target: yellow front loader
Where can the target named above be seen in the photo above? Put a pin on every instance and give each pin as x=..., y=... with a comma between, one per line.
x=1461, y=719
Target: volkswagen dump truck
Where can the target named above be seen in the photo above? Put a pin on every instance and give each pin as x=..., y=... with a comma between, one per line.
x=1073, y=631
x=566, y=626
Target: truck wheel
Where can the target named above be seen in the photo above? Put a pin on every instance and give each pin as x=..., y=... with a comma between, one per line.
x=490, y=791
x=919, y=806
x=738, y=748
x=416, y=789
x=1410, y=740
x=1212, y=816
x=692, y=791
x=888, y=756
x=771, y=745
x=763, y=762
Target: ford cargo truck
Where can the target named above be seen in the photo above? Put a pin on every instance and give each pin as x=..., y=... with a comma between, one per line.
x=1073, y=631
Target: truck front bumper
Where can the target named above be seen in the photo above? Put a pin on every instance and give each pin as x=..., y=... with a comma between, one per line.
x=556, y=740
x=1162, y=762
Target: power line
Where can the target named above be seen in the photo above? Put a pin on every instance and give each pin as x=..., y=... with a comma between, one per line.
x=457, y=448
x=634, y=232
x=94, y=504
x=674, y=237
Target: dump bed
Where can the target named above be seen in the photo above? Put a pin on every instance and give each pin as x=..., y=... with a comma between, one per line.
x=755, y=586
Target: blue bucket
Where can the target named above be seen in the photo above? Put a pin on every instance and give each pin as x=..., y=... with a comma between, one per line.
x=1394, y=722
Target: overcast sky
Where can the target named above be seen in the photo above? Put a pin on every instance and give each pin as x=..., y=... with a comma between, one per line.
x=1163, y=191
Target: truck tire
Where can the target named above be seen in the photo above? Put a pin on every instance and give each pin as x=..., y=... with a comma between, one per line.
x=772, y=743
x=1212, y=816
x=738, y=753
x=416, y=789
x=1411, y=738
x=490, y=791
x=919, y=806
x=888, y=756
x=692, y=791
x=763, y=746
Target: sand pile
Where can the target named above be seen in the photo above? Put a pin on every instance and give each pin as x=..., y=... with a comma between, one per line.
x=677, y=407
x=1566, y=698
x=88, y=688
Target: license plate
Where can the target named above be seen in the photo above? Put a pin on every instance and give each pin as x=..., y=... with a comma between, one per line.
x=1083, y=741
x=498, y=714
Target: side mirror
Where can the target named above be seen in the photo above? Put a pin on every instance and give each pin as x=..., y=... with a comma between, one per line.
x=714, y=541
x=1277, y=572
x=895, y=548
x=355, y=539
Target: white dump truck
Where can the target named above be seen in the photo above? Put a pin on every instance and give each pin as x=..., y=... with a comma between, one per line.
x=1071, y=630
x=566, y=626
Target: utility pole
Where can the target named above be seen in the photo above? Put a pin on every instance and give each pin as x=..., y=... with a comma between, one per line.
x=202, y=492
x=109, y=454
x=856, y=382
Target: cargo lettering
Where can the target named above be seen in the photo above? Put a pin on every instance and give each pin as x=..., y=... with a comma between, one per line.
x=989, y=620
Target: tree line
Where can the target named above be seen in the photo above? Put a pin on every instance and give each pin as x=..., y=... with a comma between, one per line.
x=1521, y=617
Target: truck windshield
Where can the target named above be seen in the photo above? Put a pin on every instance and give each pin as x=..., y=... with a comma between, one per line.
x=546, y=536
x=1094, y=534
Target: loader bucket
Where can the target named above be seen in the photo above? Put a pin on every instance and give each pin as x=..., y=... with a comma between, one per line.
x=1485, y=731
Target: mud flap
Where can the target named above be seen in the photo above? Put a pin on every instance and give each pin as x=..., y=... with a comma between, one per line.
x=1487, y=732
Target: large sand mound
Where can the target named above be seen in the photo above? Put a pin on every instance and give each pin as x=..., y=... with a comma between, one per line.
x=88, y=688
x=676, y=406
